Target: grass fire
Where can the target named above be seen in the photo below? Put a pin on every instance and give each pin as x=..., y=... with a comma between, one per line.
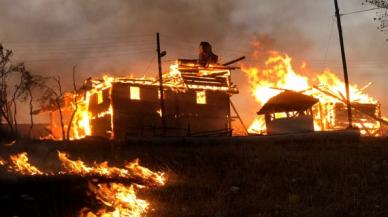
x=193, y=108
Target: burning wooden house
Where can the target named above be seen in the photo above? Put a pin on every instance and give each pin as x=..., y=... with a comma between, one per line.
x=289, y=112
x=196, y=100
x=191, y=99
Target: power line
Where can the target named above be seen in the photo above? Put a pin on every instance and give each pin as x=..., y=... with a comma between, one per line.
x=360, y=11
x=43, y=59
x=149, y=65
x=72, y=51
x=80, y=39
x=82, y=45
x=328, y=43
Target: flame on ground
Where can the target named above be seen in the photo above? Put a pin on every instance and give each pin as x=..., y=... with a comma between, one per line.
x=120, y=199
x=21, y=165
x=132, y=169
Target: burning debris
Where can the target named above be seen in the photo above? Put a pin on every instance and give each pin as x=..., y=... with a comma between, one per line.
x=329, y=113
x=118, y=198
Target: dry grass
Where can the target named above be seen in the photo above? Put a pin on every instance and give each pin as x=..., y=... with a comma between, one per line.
x=294, y=179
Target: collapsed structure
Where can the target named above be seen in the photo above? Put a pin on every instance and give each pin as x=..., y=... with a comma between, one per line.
x=294, y=112
x=330, y=112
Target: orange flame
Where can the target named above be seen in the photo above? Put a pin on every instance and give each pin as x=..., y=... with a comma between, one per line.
x=132, y=169
x=278, y=74
x=22, y=166
x=121, y=199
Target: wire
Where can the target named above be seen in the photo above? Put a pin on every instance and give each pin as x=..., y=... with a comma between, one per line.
x=87, y=57
x=80, y=46
x=70, y=51
x=149, y=65
x=328, y=43
x=142, y=37
x=360, y=11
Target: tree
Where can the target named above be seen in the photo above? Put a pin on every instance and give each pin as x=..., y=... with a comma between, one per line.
x=53, y=98
x=75, y=103
x=30, y=82
x=381, y=15
x=23, y=81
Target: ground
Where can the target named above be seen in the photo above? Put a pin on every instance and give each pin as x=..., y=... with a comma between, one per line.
x=303, y=178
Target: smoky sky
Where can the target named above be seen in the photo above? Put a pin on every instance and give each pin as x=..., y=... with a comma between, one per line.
x=118, y=36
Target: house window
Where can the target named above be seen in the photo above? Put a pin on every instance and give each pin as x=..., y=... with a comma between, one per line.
x=134, y=93
x=100, y=97
x=201, y=97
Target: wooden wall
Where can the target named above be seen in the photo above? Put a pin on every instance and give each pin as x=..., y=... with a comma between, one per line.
x=100, y=126
x=140, y=117
x=134, y=117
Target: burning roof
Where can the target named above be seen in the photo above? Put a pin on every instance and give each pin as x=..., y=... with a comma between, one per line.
x=183, y=75
x=288, y=101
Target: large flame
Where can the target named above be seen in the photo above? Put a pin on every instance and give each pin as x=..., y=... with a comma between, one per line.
x=120, y=199
x=278, y=74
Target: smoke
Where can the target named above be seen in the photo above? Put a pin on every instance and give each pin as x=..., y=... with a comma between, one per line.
x=118, y=36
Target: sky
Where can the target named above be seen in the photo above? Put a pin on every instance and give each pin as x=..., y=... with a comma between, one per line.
x=118, y=37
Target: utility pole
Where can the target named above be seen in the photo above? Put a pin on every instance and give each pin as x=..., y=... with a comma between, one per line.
x=162, y=107
x=345, y=68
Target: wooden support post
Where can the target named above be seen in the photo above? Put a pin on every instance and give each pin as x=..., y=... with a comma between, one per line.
x=238, y=116
x=337, y=13
x=162, y=107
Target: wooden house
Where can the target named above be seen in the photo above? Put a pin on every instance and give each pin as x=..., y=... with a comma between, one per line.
x=196, y=102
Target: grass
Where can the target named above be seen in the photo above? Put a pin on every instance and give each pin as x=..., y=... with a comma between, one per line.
x=283, y=179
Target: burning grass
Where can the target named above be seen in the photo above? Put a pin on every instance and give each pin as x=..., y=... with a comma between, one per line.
x=272, y=179
x=120, y=199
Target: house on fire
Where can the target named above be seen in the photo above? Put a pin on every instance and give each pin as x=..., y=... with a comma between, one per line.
x=289, y=112
x=196, y=97
x=196, y=102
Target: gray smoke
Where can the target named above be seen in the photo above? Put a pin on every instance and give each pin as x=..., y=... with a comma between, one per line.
x=118, y=36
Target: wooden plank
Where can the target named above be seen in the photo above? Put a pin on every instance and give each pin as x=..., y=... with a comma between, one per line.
x=204, y=79
x=207, y=84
